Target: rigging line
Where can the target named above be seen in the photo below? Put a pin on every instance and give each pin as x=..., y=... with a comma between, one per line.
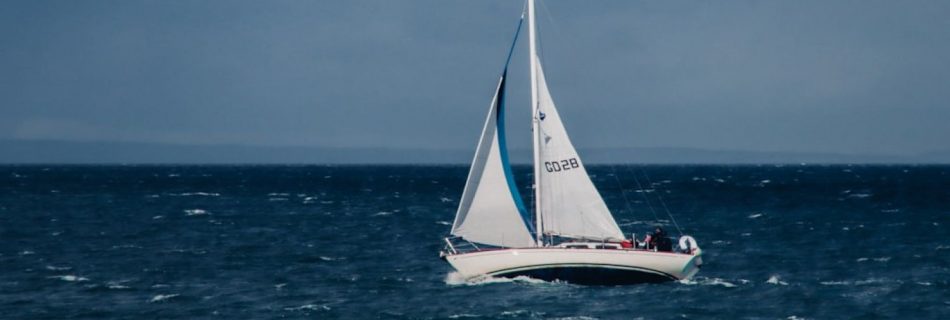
x=658, y=196
x=549, y=17
x=623, y=192
x=644, y=194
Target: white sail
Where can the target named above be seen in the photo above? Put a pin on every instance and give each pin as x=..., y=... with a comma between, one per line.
x=570, y=204
x=490, y=210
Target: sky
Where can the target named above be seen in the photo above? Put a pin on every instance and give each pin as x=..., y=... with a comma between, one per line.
x=848, y=77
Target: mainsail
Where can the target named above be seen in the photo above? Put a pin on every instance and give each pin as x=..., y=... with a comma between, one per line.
x=570, y=204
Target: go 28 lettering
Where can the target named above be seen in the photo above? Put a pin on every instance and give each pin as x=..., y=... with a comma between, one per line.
x=562, y=165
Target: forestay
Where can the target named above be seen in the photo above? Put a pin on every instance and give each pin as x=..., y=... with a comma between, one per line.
x=570, y=204
x=491, y=210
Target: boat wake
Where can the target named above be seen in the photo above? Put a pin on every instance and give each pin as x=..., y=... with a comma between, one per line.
x=710, y=282
x=457, y=279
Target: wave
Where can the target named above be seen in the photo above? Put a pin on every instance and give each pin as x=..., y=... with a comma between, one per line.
x=710, y=282
x=163, y=297
x=55, y=268
x=457, y=279
x=309, y=307
x=325, y=258
x=859, y=282
x=774, y=279
x=195, y=194
x=70, y=278
x=196, y=212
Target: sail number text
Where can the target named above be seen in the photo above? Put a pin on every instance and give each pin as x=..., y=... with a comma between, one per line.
x=562, y=165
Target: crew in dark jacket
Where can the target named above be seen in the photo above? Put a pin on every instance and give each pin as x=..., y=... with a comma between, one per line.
x=659, y=241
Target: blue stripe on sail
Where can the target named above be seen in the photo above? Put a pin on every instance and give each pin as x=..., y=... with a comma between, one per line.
x=503, y=150
x=513, y=42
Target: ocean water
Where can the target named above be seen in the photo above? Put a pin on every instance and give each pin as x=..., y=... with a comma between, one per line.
x=342, y=242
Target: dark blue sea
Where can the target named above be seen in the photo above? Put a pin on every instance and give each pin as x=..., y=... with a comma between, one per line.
x=362, y=242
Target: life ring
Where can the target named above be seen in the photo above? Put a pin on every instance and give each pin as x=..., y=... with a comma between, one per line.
x=688, y=244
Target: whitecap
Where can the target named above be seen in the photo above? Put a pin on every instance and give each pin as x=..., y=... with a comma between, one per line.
x=55, y=268
x=163, y=297
x=382, y=213
x=70, y=278
x=278, y=194
x=924, y=283
x=117, y=285
x=455, y=279
x=794, y=317
x=755, y=215
x=859, y=195
x=325, y=258
x=444, y=199
x=862, y=259
x=774, y=279
x=309, y=307
x=157, y=217
x=444, y=223
x=708, y=282
x=280, y=286
x=277, y=199
x=875, y=281
x=196, y=212
x=882, y=259
x=26, y=252
x=463, y=315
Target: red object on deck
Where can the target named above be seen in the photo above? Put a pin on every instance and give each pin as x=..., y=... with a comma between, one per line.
x=626, y=244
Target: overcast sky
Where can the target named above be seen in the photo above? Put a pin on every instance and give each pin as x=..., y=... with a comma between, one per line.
x=801, y=76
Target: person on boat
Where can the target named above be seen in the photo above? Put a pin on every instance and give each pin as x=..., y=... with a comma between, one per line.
x=659, y=241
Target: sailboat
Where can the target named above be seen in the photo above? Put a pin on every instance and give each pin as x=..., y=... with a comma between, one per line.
x=571, y=235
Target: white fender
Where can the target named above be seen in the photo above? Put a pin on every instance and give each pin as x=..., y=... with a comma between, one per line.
x=688, y=244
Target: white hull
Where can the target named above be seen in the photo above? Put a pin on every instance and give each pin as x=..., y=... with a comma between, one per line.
x=583, y=266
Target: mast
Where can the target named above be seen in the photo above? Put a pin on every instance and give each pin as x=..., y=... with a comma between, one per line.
x=535, y=124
